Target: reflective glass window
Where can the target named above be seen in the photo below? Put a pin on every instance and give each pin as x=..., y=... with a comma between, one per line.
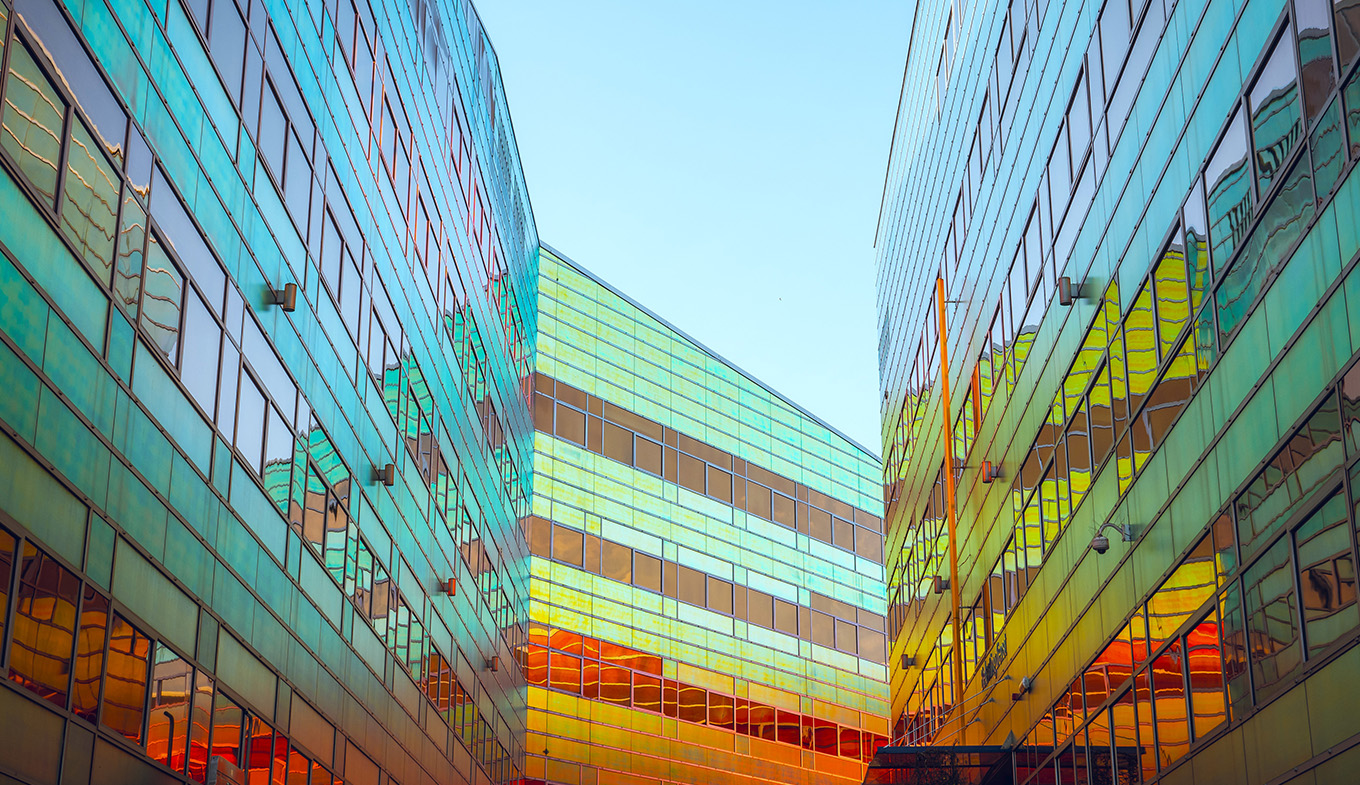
x=1169, y=699
x=616, y=562
x=1204, y=676
x=1272, y=613
x=1275, y=117
x=1326, y=575
x=785, y=617
x=691, y=586
x=1229, y=193
x=167, y=730
x=760, y=608
x=89, y=203
x=33, y=122
x=1346, y=18
x=162, y=300
x=127, y=278
x=1314, y=18
x=44, y=625
x=125, y=682
x=90, y=646
x=647, y=571
x=7, y=544
x=1328, y=143
x=226, y=729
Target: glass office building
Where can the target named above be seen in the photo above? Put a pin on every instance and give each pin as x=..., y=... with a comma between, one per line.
x=1117, y=253
x=707, y=596
x=267, y=276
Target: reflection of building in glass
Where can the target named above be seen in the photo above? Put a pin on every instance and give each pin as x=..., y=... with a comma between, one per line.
x=266, y=336
x=707, y=596
x=1156, y=347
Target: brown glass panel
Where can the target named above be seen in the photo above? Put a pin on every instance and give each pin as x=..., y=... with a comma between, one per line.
x=125, y=683
x=618, y=443
x=543, y=413
x=847, y=637
x=571, y=424
x=540, y=536
x=691, y=586
x=782, y=510
x=568, y=545
x=823, y=630
x=90, y=644
x=843, y=534
x=44, y=629
x=564, y=672
x=719, y=595
x=647, y=692
x=819, y=524
x=647, y=571
x=648, y=456
x=785, y=617
x=758, y=501
x=719, y=484
x=591, y=561
x=760, y=608
x=616, y=562
x=692, y=473
x=720, y=711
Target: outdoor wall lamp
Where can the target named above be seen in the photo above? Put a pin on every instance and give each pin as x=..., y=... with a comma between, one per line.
x=990, y=471
x=1067, y=291
x=286, y=297
x=385, y=474
x=449, y=587
x=941, y=584
x=1101, y=543
x=1026, y=684
x=908, y=661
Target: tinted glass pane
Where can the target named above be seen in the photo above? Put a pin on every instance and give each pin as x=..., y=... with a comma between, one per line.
x=1168, y=690
x=1272, y=618
x=125, y=685
x=202, y=339
x=647, y=571
x=616, y=562
x=7, y=544
x=89, y=206
x=1313, y=18
x=1204, y=674
x=1229, y=193
x=94, y=622
x=162, y=300
x=31, y=128
x=1234, y=647
x=127, y=279
x=1326, y=575
x=568, y=545
x=1275, y=117
x=1352, y=103
x=250, y=422
x=1346, y=23
x=691, y=586
x=1329, y=150
x=226, y=732
x=44, y=625
x=167, y=730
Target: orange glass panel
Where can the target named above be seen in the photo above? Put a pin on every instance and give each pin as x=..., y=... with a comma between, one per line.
x=1204, y=668
x=298, y=768
x=564, y=672
x=125, y=681
x=590, y=688
x=536, y=665
x=200, y=724
x=647, y=692
x=693, y=704
x=44, y=631
x=167, y=730
x=226, y=730
x=94, y=622
x=615, y=685
x=670, y=698
x=259, y=752
x=720, y=711
x=762, y=721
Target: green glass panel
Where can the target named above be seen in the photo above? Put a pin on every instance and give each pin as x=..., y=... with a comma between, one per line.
x=89, y=209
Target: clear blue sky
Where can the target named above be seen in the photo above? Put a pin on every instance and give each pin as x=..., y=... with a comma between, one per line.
x=721, y=163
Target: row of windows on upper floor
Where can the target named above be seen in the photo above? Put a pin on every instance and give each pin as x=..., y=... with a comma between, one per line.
x=1113, y=69
x=103, y=213
x=605, y=429
x=1229, y=201
x=1178, y=292
x=828, y=622
x=601, y=670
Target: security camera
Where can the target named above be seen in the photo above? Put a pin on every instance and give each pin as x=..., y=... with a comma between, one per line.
x=1100, y=543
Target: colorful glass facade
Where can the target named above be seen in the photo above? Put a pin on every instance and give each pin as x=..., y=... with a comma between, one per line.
x=267, y=289
x=707, y=593
x=1117, y=253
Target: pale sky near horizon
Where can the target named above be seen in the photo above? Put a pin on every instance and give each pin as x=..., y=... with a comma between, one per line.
x=721, y=163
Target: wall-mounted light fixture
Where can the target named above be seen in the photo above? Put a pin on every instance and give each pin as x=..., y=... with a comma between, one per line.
x=286, y=297
x=385, y=474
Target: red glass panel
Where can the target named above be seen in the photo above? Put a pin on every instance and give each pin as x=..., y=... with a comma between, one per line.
x=849, y=743
x=536, y=665
x=670, y=698
x=825, y=736
x=565, y=673
x=762, y=722
x=200, y=723
x=693, y=704
x=720, y=713
x=615, y=685
x=226, y=731
x=647, y=692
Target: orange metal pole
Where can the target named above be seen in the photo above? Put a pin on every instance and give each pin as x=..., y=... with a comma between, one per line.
x=949, y=496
